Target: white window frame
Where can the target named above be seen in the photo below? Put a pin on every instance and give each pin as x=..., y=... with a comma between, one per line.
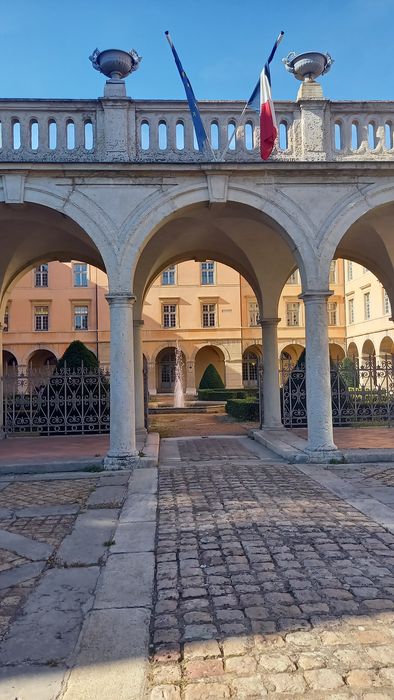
x=333, y=272
x=350, y=310
x=77, y=312
x=253, y=314
x=43, y=325
x=41, y=275
x=294, y=277
x=80, y=275
x=169, y=315
x=168, y=276
x=367, y=306
x=332, y=311
x=349, y=270
x=208, y=315
x=386, y=304
x=6, y=320
x=293, y=309
x=207, y=272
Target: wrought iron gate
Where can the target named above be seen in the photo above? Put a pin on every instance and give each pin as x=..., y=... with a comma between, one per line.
x=362, y=391
x=68, y=401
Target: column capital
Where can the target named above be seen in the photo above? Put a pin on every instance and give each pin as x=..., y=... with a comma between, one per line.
x=311, y=295
x=269, y=321
x=138, y=323
x=120, y=298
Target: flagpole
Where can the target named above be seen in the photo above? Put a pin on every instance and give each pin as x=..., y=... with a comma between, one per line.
x=169, y=39
x=229, y=142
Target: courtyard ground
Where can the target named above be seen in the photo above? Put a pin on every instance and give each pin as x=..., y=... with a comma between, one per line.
x=224, y=573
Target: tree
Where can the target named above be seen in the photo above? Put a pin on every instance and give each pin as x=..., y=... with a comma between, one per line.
x=76, y=355
x=211, y=379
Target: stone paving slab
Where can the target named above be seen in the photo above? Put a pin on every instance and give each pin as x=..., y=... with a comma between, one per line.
x=134, y=539
x=21, y=573
x=30, y=682
x=112, y=661
x=144, y=481
x=89, y=539
x=110, y=496
x=139, y=507
x=44, y=511
x=126, y=579
x=52, y=616
x=24, y=546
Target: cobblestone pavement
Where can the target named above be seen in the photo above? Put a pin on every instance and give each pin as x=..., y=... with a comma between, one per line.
x=219, y=448
x=19, y=494
x=268, y=585
x=383, y=474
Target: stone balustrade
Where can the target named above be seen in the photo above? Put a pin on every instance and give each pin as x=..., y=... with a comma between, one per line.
x=154, y=131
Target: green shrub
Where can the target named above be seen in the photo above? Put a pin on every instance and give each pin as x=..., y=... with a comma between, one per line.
x=76, y=355
x=243, y=409
x=224, y=394
x=211, y=379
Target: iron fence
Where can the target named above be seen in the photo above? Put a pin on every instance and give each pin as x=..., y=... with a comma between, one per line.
x=56, y=402
x=362, y=391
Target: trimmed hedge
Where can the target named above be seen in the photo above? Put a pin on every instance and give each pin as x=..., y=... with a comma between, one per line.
x=76, y=355
x=224, y=394
x=243, y=409
x=211, y=379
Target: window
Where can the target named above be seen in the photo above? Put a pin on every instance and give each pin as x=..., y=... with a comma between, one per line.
x=367, y=306
x=208, y=272
x=365, y=269
x=294, y=278
x=208, y=315
x=6, y=321
x=350, y=310
x=80, y=274
x=80, y=318
x=332, y=313
x=41, y=276
x=253, y=309
x=249, y=368
x=386, y=303
x=41, y=318
x=333, y=272
x=349, y=270
x=293, y=313
x=168, y=275
x=169, y=315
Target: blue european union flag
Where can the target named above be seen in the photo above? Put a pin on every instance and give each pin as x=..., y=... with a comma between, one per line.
x=201, y=135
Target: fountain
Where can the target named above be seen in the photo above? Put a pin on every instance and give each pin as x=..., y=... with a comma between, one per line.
x=179, y=397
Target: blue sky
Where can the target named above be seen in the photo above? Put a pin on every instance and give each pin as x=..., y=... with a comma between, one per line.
x=222, y=45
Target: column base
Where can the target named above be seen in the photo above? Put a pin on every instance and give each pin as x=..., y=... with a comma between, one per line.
x=324, y=456
x=273, y=425
x=117, y=462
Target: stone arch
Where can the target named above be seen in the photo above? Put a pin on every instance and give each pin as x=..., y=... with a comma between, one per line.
x=360, y=229
x=10, y=362
x=336, y=351
x=251, y=357
x=386, y=346
x=368, y=349
x=352, y=351
x=165, y=369
x=41, y=358
x=292, y=352
x=209, y=354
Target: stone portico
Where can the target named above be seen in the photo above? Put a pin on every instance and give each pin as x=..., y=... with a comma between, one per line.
x=117, y=182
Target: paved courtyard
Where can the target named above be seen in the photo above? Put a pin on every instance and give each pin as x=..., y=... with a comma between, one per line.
x=261, y=579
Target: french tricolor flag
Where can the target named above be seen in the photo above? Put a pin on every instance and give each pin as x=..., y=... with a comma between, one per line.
x=261, y=101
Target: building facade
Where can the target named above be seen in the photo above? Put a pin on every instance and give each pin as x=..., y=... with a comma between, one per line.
x=206, y=308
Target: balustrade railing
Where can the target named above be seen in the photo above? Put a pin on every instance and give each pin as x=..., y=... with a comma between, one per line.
x=150, y=131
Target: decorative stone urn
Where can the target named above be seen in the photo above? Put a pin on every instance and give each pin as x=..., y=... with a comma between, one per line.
x=308, y=66
x=115, y=63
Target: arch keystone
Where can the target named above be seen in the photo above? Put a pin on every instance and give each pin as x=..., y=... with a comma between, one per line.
x=14, y=188
x=217, y=188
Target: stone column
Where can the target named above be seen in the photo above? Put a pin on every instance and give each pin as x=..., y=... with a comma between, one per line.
x=318, y=383
x=122, y=451
x=190, y=377
x=271, y=393
x=2, y=431
x=139, y=379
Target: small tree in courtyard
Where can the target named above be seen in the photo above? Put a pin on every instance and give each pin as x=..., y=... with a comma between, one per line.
x=76, y=355
x=211, y=379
